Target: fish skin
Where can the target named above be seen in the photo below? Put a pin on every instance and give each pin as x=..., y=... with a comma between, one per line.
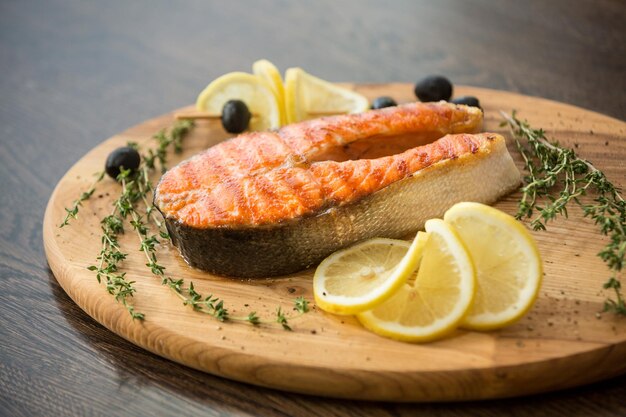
x=282, y=211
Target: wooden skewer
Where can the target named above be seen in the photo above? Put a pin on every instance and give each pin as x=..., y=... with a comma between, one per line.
x=202, y=115
x=199, y=115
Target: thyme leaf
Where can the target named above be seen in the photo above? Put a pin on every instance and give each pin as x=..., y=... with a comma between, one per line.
x=301, y=305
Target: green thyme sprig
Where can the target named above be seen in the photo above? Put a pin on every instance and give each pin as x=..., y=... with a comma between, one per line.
x=72, y=213
x=108, y=266
x=136, y=186
x=558, y=177
x=214, y=306
x=175, y=138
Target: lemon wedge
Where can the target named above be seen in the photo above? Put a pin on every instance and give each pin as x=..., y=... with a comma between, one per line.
x=363, y=275
x=256, y=92
x=268, y=71
x=433, y=303
x=508, y=264
x=306, y=94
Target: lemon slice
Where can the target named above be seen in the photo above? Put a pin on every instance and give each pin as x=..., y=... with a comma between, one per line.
x=433, y=304
x=268, y=71
x=255, y=91
x=357, y=278
x=306, y=95
x=508, y=264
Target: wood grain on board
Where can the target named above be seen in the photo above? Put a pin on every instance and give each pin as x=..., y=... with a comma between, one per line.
x=562, y=342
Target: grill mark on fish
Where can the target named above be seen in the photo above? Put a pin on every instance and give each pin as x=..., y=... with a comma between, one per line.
x=263, y=197
x=271, y=201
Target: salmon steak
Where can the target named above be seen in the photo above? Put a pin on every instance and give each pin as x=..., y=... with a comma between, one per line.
x=272, y=203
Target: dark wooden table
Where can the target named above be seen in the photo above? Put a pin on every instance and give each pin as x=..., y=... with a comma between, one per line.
x=74, y=73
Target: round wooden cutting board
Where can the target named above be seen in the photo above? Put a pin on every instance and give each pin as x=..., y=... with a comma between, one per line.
x=564, y=341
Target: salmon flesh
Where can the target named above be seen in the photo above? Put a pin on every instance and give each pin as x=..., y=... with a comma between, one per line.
x=272, y=203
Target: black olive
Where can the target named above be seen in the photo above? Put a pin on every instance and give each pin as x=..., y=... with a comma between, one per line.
x=126, y=157
x=433, y=88
x=235, y=116
x=382, y=102
x=467, y=100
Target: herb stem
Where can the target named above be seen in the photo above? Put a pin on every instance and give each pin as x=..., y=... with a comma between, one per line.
x=214, y=306
x=144, y=187
x=137, y=221
x=72, y=213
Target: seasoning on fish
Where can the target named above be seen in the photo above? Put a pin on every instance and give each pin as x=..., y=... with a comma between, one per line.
x=272, y=203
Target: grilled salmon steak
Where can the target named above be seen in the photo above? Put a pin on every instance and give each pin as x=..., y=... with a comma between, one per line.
x=272, y=203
